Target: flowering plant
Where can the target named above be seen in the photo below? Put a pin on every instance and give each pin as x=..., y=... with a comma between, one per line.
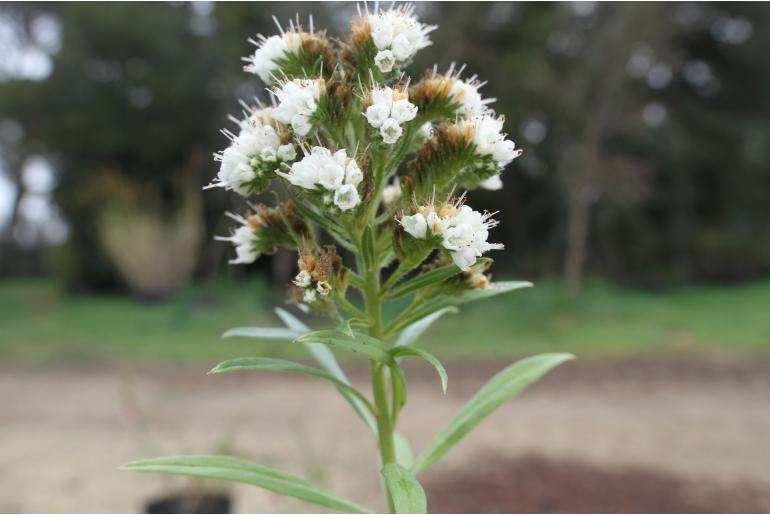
x=370, y=163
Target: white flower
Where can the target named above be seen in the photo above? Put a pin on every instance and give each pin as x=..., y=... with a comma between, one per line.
x=269, y=50
x=489, y=139
x=346, y=197
x=297, y=102
x=466, y=236
x=308, y=296
x=388, y=110
x=324, y=288
x=390, y=131
x=463, y=231
x=403, y=111
x=335, y=173
x=245, y=239
x=268, y=154
x=426, y=130
x=353, y=173
x=493, y=183
x=376, y=114
x=385, y=60
x=302, y=280
x=415, y=225
x=399, y=31
x=286, y=152
x=254, y=144
x=391, y=193
x=468, y=96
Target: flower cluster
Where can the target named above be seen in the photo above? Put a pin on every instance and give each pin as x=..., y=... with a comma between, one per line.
x=397, y=35
x=460, y=230
x=297, y=103
x=459, y=96
x=265, y=61
x=317, y=273
x=262, y=231
x=336, y=174
x=253, y=155
x=387, y=110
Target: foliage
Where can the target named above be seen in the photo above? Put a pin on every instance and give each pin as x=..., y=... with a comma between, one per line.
x=337, y=142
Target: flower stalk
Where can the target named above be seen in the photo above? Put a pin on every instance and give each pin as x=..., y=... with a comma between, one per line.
x=373, y=165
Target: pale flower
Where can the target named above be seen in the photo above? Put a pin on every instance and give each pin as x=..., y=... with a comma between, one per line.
x=399, y=31
x=346, y=197
x=245, y=239
x=353, y=173
x=376, y=114
x=247, y=150
x=390, y=131
x=297, y=102
x=324, y=288
x=308, y=297
x=403, y=111
x=493, y=183
x=415, y=225
x=269, y=50
x=286, y=152
x=385, y=60
x=391, y=193
x=303, y=278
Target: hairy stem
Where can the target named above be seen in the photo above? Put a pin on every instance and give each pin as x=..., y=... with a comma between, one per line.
x=385, y=428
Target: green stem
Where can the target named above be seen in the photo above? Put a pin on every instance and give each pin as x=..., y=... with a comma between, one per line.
x=373, y=304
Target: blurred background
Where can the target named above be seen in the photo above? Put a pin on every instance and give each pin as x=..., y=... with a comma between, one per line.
x=639, y=208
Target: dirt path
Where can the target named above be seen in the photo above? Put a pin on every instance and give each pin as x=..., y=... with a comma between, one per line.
x=65, y=430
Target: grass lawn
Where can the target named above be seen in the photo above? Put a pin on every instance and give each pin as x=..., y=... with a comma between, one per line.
x=38, y=324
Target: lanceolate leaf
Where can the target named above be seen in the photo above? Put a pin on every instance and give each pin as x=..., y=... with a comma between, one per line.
x=404, y=489
x=495, y=288
x=325, y=357
x=361, y=344
x=427, y=356
x=265, y=333
x=410, y=335
x=502, y=387
x=367, y=346
x=282, y=365
x=238, y=470
x=422, y=280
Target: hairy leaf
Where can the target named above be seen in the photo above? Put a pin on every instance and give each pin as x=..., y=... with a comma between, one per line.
x=427, y=356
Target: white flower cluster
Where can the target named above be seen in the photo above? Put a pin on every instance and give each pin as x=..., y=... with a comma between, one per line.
x=466, y=93
x=245, y=239
x=463, y=231
x=304, y=280
x=388, y=110
x=269, y=50
x=336, y=173
x=297, y=102
x=489, y=140
x=398, y=36
x=256, y=147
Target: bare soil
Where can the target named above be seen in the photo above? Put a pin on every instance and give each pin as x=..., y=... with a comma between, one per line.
x=625, y=435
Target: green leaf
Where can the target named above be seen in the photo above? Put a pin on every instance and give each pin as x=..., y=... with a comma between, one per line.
x=404, y=489
x=410, y=335
x=282, y=365
x=423, y=280
x=370, y=347
x=502, y=387
x=265, y=333
x=358, y=343
x=238, y=470
x=495, y=288
x=427, y=356
x=404, y=455
x=325, y=357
